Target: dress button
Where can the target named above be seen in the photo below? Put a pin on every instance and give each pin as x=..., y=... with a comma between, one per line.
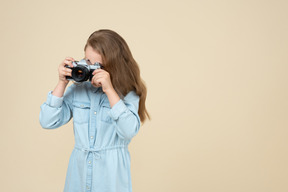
x=89, y=162
x=95, y=112
x=91, y=137
x=81, y=105
x=88, y=188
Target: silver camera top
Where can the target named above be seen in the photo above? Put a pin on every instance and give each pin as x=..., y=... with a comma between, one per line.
x=87, y=64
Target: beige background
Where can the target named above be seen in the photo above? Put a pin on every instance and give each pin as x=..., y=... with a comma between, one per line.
x=216, y=73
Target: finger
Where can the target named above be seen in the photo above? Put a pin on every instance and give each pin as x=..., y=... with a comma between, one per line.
x=93, y=78
x=67, y=72
x=70, y=59
x=94, y=72
x=97, y=81
x=96, y=84
x=66, y=69
x=98, y=71
x=98, y=76
x=66, y=62
x=93, y=81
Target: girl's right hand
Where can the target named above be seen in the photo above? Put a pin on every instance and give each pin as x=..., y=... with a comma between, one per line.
x=64, y=71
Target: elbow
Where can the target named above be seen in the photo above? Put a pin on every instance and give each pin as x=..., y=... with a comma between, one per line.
x=127, y=131
x=127, y=134
x=47, y=123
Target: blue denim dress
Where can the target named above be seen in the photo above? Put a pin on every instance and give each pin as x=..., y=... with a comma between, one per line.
x=100, y=160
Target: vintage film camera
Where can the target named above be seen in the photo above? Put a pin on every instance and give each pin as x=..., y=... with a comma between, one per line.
x=82, y=70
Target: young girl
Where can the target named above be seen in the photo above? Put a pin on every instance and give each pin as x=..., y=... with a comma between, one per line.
x=107, y=113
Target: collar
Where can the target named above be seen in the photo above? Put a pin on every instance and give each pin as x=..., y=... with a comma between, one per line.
x=89, y=86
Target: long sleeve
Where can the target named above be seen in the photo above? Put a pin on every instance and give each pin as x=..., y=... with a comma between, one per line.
x=56, y=111
x=125, y=115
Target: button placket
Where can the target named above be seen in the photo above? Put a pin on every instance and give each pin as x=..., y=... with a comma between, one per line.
x=92, y=139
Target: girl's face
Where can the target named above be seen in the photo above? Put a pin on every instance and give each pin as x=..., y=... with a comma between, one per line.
x=92, y=56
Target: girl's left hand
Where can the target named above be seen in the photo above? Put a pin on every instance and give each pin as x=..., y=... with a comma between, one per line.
x=102, y=78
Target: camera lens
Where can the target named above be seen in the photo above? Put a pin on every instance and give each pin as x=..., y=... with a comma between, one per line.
x=80, y=73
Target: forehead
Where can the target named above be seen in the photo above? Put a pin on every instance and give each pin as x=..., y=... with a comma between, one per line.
x=92, y=55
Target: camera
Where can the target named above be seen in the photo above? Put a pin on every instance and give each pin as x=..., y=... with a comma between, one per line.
x=82, y=70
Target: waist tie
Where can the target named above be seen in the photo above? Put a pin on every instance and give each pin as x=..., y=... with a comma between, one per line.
x=96, y=151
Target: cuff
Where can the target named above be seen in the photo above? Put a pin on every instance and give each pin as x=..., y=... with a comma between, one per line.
x=54, y=101
x=118, y=109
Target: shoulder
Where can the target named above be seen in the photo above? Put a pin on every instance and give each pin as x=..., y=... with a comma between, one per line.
x=132, y=99
x=131, y=96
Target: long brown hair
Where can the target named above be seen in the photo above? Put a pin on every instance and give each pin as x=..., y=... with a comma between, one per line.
x=119, y=62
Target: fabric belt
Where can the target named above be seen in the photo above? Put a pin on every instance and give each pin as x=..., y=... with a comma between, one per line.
x=96, y=151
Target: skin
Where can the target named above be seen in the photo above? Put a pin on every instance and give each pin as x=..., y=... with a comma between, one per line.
x=101, y=77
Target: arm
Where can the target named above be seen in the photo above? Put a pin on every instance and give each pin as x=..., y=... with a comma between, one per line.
x=125, y=115
x=56, y=111
x=124, y=112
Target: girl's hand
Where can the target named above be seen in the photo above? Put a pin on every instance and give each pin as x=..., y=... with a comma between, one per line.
x=63, y=71
x=102, y=78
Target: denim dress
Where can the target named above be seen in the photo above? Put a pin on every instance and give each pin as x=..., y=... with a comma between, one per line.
x=100, y=160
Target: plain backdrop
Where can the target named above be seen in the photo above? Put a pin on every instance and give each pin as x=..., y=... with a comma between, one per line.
x=216, y=73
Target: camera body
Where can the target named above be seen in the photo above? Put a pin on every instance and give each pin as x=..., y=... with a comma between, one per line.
x=82, y=71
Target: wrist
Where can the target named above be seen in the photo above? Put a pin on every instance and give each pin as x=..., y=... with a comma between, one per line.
x=59, y=89
x=110, y=91
x=62, y=83
x=113, y=97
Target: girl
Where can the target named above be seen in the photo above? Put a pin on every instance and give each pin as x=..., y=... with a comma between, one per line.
x=107, y=113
